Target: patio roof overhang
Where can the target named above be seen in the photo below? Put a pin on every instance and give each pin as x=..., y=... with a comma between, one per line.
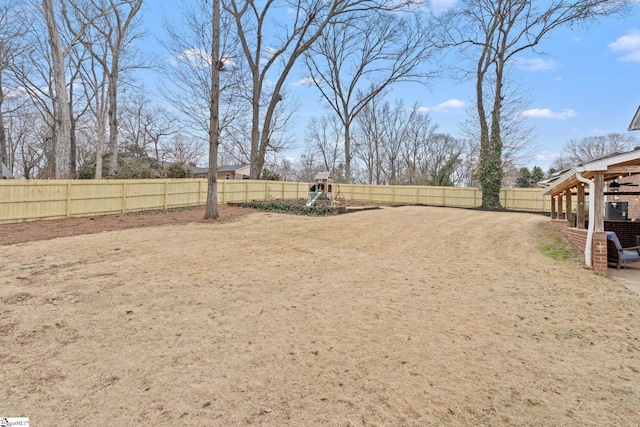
x=613, y=166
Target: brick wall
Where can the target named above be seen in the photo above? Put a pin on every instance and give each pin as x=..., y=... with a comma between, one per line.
x=626, y=231
x=578, y=239
x=599, y=251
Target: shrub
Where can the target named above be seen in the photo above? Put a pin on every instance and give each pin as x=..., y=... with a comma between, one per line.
x=290, y=208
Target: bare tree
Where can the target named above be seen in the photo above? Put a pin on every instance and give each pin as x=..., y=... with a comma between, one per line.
x=394, y=123
x=517, y=133
x=211, y=210
x=400, y=145
x=352, y=63
x=492, y=33
x=112, y=30
x=207, y=81
x=384, y=130
x=307, y=167
x=417, y=146
x=582, y=150
x=189, y=70
x=27, y=136
x=31, y=71
x=271, y=55
x=324, y=136
x=183, y=149
x=95, y=81
x=12, y=31
x=237, y=135
x=144, y=124
x=62, y=133
x=369, y=131
x=442, y=165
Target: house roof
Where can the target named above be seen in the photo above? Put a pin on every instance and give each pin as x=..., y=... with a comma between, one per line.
x=232, y=168
x=612, y=165
x=545, y=183
x=195, y=170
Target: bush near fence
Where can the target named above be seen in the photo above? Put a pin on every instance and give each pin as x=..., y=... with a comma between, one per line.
x=50, y=199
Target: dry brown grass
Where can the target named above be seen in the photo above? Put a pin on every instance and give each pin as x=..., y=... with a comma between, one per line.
x=405, y=316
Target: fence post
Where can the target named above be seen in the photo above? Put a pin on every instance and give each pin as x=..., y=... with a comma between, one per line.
x=200, y=191
x=69, y=199
x=124, y=196
x=166, y=192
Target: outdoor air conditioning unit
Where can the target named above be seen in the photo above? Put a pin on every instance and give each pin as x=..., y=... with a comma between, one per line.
x=616, y=211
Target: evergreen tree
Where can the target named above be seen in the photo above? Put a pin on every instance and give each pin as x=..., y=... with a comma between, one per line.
x=537, y=175
x=524, y=180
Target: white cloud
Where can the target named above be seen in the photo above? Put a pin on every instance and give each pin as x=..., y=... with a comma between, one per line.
x=628, y=46
x=450, y=104
x=535, y=64
x=422, y=109
x=439, y=7
x=198, y=57
x=15, y=92
x=307, y=81
x=545, y=113
x=546, y=156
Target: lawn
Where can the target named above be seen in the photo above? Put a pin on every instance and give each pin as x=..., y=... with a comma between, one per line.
x=406, y=316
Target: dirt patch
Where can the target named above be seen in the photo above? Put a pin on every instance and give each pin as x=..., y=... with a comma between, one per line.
x=45, y=230
x=406, y=316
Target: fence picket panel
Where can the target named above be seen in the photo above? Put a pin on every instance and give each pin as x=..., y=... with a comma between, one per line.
x=50, y=199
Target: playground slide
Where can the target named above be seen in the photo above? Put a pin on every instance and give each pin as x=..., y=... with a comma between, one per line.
x=315, y=198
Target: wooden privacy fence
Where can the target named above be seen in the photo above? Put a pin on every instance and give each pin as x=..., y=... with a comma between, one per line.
x=50, y=199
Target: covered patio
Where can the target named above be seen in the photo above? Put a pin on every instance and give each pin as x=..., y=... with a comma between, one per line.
x=604, y=182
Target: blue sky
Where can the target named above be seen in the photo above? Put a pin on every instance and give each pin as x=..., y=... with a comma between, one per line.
x=586, y=84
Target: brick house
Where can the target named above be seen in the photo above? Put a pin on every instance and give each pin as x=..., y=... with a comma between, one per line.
x=234, y=172
x=605, y=180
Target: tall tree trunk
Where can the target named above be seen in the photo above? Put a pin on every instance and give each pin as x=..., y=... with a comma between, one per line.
x=113, y=120
x=72, y=147
x=211, y=210
x=493, y=161
x=347, y=148
x=102, y=137
x=3, y=133
x=63, y=129
x=72, y=136
x=488, y=165
x=255, y=168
